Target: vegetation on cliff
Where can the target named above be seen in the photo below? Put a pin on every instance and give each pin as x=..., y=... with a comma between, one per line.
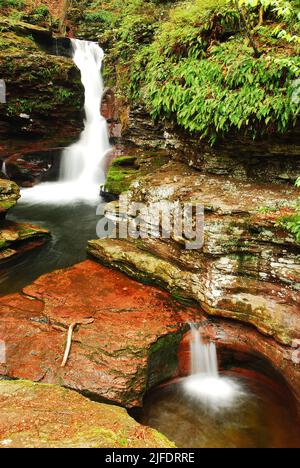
x=291, y=222
x=210, y=66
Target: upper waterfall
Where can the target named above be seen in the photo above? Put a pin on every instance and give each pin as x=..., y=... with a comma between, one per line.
x=82, y=165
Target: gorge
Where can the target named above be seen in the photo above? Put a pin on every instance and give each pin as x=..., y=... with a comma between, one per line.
x=171, y=123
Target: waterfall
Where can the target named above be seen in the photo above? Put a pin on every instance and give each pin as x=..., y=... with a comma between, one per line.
x=81, y=161
x=3, y=169
x=205, y=382
x=82, y=165
x=204, y=358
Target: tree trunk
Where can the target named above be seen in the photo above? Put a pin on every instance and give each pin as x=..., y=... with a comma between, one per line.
x=261, y=16
x=257, y=54
x=63, y=16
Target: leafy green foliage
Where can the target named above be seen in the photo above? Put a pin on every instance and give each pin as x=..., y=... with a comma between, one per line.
x=18, y=4
x=191, y=62
x=102, y=16
x=292, y=224
x=209, y=85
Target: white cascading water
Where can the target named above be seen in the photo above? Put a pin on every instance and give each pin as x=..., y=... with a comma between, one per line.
x=205, y=382
x=81, y=172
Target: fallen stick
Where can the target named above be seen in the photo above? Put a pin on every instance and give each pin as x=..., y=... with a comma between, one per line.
x=70, y=337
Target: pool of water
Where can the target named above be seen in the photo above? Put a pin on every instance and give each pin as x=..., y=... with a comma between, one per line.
x=260, y=418
x=71, y=226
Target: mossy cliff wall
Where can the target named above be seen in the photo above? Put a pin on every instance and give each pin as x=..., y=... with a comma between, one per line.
x=43, y=91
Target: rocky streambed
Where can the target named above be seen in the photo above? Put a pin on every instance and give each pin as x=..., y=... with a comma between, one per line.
x=128, y=339
x=130, y=304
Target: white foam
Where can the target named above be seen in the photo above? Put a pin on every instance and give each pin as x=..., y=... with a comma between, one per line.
x=215, y=392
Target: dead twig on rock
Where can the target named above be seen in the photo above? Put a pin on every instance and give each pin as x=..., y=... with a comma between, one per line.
x=70, y=337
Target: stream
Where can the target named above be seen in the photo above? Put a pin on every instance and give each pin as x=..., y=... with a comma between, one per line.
x=259, y=417
x=71, y=226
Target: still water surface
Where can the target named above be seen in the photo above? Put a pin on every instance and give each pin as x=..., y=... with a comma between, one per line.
x=71, y=227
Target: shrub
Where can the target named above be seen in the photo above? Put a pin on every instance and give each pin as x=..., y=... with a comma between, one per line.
x=102, y=16
x=18, y=4
x=200, y=73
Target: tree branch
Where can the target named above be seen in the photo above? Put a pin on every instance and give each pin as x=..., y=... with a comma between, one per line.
x=257, y=53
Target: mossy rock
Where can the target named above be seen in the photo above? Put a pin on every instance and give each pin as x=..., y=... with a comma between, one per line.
x=120, y=176
x=48, y=416
x=126, y=169
x=9, y=195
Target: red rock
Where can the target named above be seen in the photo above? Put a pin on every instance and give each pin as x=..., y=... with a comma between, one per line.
x=132, y=343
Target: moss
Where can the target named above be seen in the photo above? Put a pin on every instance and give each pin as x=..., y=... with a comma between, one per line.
x=119, y=181
x=6, y=205
x=163, y=359
x=120, y=175
x=26, y=68
x=126, y=169
x=124, y=161
x=35, y=420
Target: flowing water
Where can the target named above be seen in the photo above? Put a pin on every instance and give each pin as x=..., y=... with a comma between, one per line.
x=82, y=167
x=66, y=207
x=206, y=409
x=205, y=383
x=71, y=226
x=211, y=410
x=261, y=418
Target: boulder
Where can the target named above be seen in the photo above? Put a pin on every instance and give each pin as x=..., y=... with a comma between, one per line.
x=16, y=238
x=130, y=337
x=129, y=345
x=9, y=195
x=47, y=416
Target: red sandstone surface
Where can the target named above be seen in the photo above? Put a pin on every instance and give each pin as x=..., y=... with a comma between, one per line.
x=131, y=344
x=109, y=357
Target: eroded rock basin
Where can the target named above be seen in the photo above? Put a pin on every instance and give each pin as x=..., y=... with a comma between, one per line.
x=260, y=417
x=137, y=340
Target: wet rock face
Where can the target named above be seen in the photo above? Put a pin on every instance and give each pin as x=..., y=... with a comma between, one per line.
x=140, y=129
x=273, y=159
x=33, y=164
x=248, y=269
x=129, y=345
x=16, y=238
x=135, y=338
x=44, y=94
x=46, y=416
